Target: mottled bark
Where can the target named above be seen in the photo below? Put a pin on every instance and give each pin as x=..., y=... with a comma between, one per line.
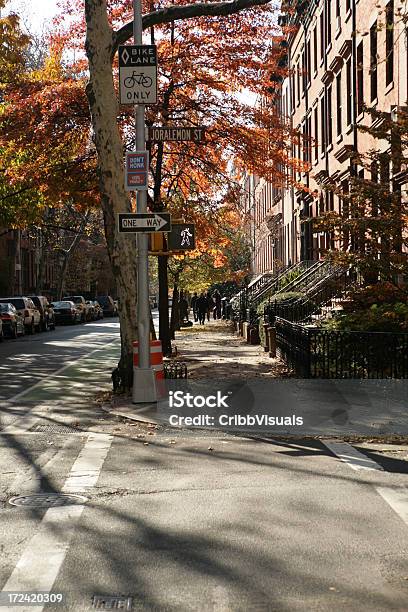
x=104, y=111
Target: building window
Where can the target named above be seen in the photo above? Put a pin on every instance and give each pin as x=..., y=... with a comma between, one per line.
x=360, y=78
x=339, y=105
x=347, y=6
x=389, y=43
x=322, y=125
x=308, y=63
x=321, y=35
x=338, y=12
x=349, y=94
x=373, y=66
x=329, y=116
x=298, y=69
x=316, y=133
x=328, y=23
x=315, y=49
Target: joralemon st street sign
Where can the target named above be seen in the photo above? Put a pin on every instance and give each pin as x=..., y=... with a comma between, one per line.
x=176, y=134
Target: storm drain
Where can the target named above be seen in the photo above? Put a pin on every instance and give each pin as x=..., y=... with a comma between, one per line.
x=57, y=429
x=47, y=500
x=116, y=602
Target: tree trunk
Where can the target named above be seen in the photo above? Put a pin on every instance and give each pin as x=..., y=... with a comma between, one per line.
x=104, y=112
x=175, y=311
x=164, y=328
x=39, y=263
x=62, y=275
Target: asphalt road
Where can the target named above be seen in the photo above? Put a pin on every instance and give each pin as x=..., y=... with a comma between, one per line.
x=29, y=360
x=183, y=520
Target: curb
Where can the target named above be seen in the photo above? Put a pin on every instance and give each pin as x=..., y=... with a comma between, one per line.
x=141, y=415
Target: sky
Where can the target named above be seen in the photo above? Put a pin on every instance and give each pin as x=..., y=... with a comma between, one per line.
x=33, y=12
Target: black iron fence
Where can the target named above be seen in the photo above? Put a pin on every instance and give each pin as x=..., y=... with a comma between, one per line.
x=175, y=369
x=317, y=353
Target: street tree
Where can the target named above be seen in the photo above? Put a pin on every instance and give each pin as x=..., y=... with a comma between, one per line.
x=205, y=34
x=370, y=229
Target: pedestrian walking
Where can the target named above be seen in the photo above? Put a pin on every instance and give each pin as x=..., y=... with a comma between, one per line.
x=183, y=305
x=217, y=300
x=194, y=306
x=202, y=308
x=210, y=305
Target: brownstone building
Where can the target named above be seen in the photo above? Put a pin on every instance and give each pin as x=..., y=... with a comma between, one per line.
x=342, y=55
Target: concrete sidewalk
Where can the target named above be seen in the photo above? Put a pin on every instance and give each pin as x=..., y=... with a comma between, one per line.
x=215, y=351
x=210, y=351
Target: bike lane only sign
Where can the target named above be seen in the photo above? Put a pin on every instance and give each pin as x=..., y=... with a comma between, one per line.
x=138, y=74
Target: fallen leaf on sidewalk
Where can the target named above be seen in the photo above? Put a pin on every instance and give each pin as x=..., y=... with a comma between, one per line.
x=146, y=443
x=210, y=448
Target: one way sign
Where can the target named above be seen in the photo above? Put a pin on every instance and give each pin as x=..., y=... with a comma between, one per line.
x=144, y=222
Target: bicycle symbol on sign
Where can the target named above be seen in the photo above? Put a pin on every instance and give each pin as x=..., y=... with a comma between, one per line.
x=138, y=79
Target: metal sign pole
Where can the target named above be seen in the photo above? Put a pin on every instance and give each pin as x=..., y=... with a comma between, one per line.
x=144, y=385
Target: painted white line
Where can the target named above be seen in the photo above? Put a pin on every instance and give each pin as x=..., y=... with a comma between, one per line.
x=397, y=499
x=85, y=471
x=40, y=563
x=347, y=453
x=58, y=372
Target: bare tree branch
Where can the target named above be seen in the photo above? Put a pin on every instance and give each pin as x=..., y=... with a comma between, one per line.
x=188, y=11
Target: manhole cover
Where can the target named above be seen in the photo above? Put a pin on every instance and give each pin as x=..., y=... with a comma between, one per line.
x=47, y=500
x=102, y=602
x=63, y=429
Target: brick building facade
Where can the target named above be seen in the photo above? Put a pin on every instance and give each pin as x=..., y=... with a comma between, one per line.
x=342, y=55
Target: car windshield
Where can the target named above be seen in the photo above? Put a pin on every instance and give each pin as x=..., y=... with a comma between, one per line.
x=61, y=304
x=17, y=302
x=77, y=299
x=5, y=307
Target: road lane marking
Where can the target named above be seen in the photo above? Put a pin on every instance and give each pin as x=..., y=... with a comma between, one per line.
x=58, y=372
x=41, y=561
x=350, y=455
x=397, y=499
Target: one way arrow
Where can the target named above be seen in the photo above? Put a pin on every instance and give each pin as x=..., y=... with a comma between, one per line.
x=144, y=222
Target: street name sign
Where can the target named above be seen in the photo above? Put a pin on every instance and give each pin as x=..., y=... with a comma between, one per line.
x=134, y=223
x=136, y=170
x=181, y=237
x=176, y=134
x=138, y=74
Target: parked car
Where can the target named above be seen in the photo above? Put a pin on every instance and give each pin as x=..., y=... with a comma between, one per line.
x=1, y=331
x=66, y=311
x=98, y=310
x=80, y=301
x=46, y=311
x=108, y=305
x=27, y=309
x=12, y=322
